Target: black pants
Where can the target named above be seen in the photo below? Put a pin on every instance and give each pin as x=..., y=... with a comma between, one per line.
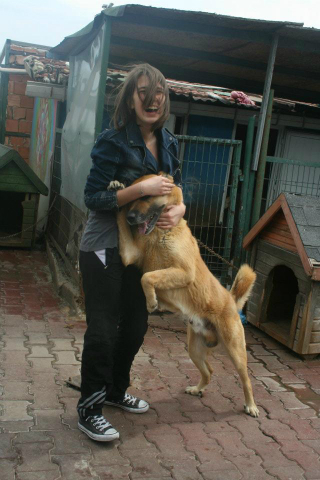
x=116, y=324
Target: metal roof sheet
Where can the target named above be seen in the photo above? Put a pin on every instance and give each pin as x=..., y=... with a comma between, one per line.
x=210, y=93
x=206, y=48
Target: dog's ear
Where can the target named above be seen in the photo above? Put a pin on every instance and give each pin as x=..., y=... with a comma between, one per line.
x=169, y=177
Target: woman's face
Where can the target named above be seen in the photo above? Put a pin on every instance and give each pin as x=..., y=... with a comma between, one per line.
x=147, y=117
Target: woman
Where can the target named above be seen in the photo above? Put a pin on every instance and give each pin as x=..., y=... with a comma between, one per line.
x=115, y=304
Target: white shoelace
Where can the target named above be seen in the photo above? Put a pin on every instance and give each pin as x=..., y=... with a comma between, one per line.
x=100, y=423
x=130, y=398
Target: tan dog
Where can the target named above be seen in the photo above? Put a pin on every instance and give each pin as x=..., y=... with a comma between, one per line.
x=177, y=279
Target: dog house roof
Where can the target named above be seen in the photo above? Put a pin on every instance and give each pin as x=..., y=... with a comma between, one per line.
x=302, y=214
x=8, y=155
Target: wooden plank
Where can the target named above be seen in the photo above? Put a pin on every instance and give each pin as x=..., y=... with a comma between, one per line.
x=27, y=234
x=279, y=252
x=294, y=321
x=264, y=220
x=265, y=298
x=253, y=254
x=315, y=292
x=18, y=188
x=305, y=318
x=295, y=233
x=276, y=261
x=283, y=231
x=252, y=308
x=272, y=329
x=316, y=326
x=15, y=180
x=251, y=318
x=261, y=266
x=276, y=236
x=281, y=244
x=315, y=337
x=314, y=348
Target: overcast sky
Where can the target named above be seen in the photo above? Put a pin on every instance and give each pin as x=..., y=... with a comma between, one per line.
x=47, y=22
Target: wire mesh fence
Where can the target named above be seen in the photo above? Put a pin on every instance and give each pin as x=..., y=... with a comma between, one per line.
x=66, y=222
x=210, y=174
x=290, y=176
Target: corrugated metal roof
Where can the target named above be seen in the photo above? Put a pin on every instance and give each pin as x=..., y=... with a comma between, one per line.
x=209, y=93
x=210, y=49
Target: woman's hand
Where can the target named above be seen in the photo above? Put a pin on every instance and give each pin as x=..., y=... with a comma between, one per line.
x=171, y=216
x=156, y=186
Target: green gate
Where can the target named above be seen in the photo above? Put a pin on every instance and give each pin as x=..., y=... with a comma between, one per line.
x=210, y=179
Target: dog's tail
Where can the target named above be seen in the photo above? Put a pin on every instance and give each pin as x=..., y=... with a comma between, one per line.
x=242, y=285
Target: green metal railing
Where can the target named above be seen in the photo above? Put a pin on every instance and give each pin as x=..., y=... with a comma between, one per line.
x=210, y=178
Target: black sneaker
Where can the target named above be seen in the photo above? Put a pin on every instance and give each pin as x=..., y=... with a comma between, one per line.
x=97, y=428
x=130, y=404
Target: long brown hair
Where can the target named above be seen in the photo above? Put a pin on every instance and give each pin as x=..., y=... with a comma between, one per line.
x=124, y=113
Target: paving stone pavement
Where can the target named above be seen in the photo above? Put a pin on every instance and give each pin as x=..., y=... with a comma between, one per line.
x=181, y=437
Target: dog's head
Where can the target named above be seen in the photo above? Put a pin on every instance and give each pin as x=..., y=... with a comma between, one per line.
x=145, y=211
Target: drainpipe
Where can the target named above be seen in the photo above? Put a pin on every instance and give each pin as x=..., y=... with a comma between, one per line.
x=262, y=163
x=22, y=71
x=264, y=105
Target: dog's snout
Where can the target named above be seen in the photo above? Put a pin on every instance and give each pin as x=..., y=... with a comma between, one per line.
x=131, y=216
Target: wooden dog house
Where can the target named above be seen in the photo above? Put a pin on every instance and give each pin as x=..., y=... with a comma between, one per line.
x=285, y=254
x=19, y=198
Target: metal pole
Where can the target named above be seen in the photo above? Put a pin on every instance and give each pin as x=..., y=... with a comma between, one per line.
x=264, y=105
x=262, y=163
x=103, y=75
x=244, y=192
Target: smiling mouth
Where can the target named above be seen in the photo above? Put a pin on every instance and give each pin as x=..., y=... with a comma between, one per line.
x=146, y=227
x=152, y=110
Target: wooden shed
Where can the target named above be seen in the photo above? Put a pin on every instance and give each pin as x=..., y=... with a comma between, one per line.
x=285, y=254
x=20, y=189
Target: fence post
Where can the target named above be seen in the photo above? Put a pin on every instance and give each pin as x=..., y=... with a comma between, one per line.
x=244, y=199
x=262, y=164
x=232, y=208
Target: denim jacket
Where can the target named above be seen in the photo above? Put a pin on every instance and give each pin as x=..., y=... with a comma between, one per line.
x=122, y=155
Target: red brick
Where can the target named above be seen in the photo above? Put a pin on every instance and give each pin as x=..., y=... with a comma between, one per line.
x=25, y=127
x=10, y=87
x=29, y=115
x=24, y=152
x=12, y=125
x=16, y=141
x=20, y=59
x=19, y=112
x=19, y=88
x=9, y=113
x=14, y=100
x=26, y=101
x=18, y=77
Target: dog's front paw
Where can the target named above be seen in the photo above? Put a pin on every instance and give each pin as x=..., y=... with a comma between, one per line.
x=152, y=306
x=194, y=391
x=252, y=410
x=115, y=185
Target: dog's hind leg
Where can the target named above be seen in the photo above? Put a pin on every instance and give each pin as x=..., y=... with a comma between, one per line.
x=198, y=352
x=236, y=348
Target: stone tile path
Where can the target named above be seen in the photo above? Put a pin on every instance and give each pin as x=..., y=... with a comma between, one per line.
x=181, y=437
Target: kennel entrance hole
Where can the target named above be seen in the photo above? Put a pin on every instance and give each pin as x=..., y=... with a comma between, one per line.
x=11, y=212
x=282, y=299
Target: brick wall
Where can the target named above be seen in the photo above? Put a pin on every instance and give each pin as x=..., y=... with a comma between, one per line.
x=19, y=115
